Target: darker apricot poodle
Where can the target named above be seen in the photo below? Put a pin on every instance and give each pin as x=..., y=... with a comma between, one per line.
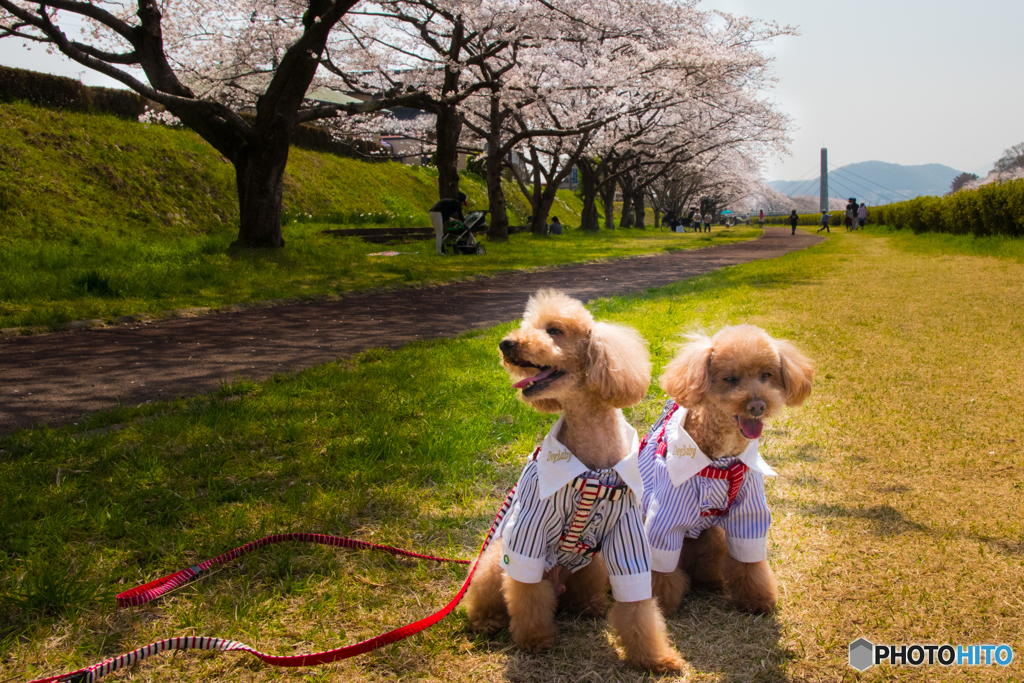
x=703, y=475
x=575, y=524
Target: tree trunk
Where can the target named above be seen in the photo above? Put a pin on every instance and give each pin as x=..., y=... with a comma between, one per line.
x=259, y=175
x=449, y=129
x=626, y=217
x=608, y=199
x=588, y=216
x=496, y=193
x=539, y=225
x=638, y=211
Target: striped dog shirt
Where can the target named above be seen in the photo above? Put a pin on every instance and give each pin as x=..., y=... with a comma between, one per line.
x=562, y=513
x=685, y=492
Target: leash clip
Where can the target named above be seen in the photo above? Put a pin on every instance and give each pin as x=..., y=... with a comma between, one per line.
x=79, y=677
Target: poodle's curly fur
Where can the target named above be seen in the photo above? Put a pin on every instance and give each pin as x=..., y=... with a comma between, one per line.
x=730, y=383
x=590, y=371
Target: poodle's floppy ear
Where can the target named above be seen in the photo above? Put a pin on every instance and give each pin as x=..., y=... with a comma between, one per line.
x=687, y=378
x=618, y=366
x=797, y=373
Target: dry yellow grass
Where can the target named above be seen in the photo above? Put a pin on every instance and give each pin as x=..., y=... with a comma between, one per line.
x=898, y=510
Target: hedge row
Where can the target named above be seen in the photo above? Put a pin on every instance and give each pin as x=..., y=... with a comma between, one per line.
x=57, y=92
x=996, y=209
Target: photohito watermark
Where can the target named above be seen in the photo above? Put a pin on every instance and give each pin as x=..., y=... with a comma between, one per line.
x=864, y=654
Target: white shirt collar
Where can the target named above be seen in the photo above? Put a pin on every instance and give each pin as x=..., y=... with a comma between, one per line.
x=556, y=466
x=684, y=459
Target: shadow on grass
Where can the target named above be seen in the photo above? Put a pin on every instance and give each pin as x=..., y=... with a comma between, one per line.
x=710, y=634
x=716, y=638
x=886, y=520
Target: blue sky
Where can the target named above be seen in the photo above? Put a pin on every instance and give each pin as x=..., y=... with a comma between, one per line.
x=903, y=81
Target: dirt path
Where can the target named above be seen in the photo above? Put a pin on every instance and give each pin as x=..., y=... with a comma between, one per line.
x=57, y=378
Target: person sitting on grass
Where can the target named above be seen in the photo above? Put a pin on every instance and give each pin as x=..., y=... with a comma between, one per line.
x=556, y=227
x=442, y=212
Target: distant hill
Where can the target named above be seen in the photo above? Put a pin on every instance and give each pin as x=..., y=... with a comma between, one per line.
x=876, y=182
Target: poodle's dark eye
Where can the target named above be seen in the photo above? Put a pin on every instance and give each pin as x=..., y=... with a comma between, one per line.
x=765, y=376
x=730, y=379
x=553, y=331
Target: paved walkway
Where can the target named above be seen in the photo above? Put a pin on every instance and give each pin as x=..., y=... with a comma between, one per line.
x=57, y=378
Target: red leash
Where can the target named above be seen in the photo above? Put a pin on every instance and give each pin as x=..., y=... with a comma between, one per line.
x=140, y=595
x=154, y=589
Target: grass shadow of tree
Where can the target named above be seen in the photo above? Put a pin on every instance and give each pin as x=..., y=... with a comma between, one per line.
x=716, y=638
x=886, y=520
x=712, y=636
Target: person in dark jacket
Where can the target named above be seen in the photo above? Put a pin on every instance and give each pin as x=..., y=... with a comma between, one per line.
x=793, y=218
x=442, y=212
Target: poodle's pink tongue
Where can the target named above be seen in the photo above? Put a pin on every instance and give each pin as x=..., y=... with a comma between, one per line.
x=524, y=382
x=750, y=427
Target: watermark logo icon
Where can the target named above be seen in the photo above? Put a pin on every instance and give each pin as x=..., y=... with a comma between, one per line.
x=862, y=654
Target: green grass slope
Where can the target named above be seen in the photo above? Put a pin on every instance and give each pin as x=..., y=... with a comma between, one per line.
x=104, y=217
x=70, y=175
x=67, y=174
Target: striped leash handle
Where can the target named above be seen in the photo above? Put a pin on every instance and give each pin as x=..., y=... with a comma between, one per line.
x=156, y=588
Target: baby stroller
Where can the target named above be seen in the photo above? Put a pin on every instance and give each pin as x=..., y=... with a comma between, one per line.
x=459, y=235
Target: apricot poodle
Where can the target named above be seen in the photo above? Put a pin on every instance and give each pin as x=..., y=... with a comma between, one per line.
x=707, y=517
x=575, y=524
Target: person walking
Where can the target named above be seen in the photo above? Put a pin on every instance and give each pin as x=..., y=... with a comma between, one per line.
x=760, y=218
x=848, y=219
x=793, y=218
x=824, y=222
x=707, y=222
x=862, y=215
x=442, y=212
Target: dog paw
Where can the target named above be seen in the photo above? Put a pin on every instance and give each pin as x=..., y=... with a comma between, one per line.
x=488, y=626
x=533, y=641
x=668, y=661
x=754, y=605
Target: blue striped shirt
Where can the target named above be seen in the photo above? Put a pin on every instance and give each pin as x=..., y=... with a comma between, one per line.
x=545, y=503
x=674, y=496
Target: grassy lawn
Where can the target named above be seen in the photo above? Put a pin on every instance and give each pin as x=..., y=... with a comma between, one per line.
x=102, y=276
x=898, y=510
x=105, y=217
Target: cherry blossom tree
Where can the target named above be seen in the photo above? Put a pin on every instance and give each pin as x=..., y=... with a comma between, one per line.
x=711, y=88
x=206, y=62
x=687, y=85
x=430, y=49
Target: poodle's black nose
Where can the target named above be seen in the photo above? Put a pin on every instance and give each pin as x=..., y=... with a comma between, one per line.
x=507, y=346
x=756, y=408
